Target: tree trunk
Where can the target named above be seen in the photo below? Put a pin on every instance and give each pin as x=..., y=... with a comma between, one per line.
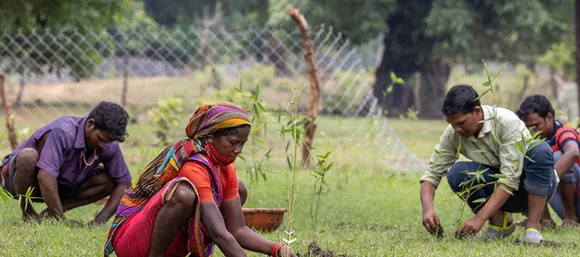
x=553, y=83
x=204, y=49
x=20, y=92
x=312, y=114
x=406, y=100
x=469, y=69
x=383, y=81
x=216, y=80
x=577, y=36
x=417, y=92
x=434, y=79
x=125, y=81
x=8, y=114
x=530, y=68
x=406, y=50
x=276, y=55
x=561, y=97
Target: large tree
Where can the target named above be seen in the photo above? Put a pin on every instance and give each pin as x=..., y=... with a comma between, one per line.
x=425, y=35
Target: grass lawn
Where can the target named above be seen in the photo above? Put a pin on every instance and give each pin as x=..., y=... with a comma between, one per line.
x=361, y=214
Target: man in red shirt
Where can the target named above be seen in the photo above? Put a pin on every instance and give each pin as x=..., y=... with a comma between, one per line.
x=539, y=115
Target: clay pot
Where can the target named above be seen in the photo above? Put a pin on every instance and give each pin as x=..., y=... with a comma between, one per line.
x=264, y=219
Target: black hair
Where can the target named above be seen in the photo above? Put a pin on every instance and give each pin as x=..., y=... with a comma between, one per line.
x=460, y=99
x=112, y=118
x=228, y=131
x=535, y=104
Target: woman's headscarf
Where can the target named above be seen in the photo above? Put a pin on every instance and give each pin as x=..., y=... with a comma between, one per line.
x=209, y=119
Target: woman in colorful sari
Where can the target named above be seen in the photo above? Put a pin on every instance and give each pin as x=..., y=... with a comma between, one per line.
x=186, y=200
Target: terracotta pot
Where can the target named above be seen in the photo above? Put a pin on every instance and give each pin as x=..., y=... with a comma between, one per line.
x=264, y=219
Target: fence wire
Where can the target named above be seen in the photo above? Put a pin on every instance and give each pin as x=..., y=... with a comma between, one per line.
x=52, y=73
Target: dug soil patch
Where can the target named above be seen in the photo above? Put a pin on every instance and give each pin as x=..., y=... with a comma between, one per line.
x=315, y=251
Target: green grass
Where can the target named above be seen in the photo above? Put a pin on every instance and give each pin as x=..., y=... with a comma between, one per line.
x=372, y=215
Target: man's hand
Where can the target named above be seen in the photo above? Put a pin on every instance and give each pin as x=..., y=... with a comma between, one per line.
x=32, y=218
x=110, y=207
x=286, y=252
x=470, y=227
x=49, y=190
x=431, y=223
x=100, y=218
x=430, y=219
x=97, y=222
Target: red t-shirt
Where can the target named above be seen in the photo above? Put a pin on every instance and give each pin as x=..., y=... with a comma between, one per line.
x=562, y=135
x=199, y=175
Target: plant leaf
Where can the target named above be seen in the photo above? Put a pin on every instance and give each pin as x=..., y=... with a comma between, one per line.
x=486, y=70
x=327, y=154
x=506, y=190
x=289, y=162
x=499, y=71
x=480, y=200
x=254, y=131
x=497, y=139
x=530, y=159
x=261, y=107
x=458, y=148
x=497, y=175
x=482, y=94
x=329, y=166
x=520, y=147
x=268, y=153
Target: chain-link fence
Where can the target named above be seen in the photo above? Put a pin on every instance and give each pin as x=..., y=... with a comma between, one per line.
x=52, y=73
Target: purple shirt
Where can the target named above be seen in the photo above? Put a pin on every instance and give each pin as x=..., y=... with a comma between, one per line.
x=64, y=149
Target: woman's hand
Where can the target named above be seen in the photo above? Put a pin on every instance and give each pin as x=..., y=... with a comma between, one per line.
x=286, y=252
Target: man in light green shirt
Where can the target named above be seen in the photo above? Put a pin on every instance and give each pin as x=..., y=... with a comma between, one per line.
x=508, y=172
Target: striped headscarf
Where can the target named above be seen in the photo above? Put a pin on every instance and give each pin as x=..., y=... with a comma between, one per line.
x=209, y=119
x=163, y=170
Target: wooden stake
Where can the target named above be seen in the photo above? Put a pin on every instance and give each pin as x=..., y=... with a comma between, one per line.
x=8, y=113
x=312, y=112
x=125, y=81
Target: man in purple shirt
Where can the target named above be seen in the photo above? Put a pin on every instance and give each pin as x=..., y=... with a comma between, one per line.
x=71, y=162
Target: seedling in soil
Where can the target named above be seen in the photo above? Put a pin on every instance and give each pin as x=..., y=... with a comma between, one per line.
x=439, y=233
x=315, y=251
x=322, y=167
x=293, y=128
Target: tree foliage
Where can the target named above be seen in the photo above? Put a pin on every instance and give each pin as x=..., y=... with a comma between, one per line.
x=236, y=14
x=31, y=50
x=424, y=35
x=505, y=30
x=79, y=14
